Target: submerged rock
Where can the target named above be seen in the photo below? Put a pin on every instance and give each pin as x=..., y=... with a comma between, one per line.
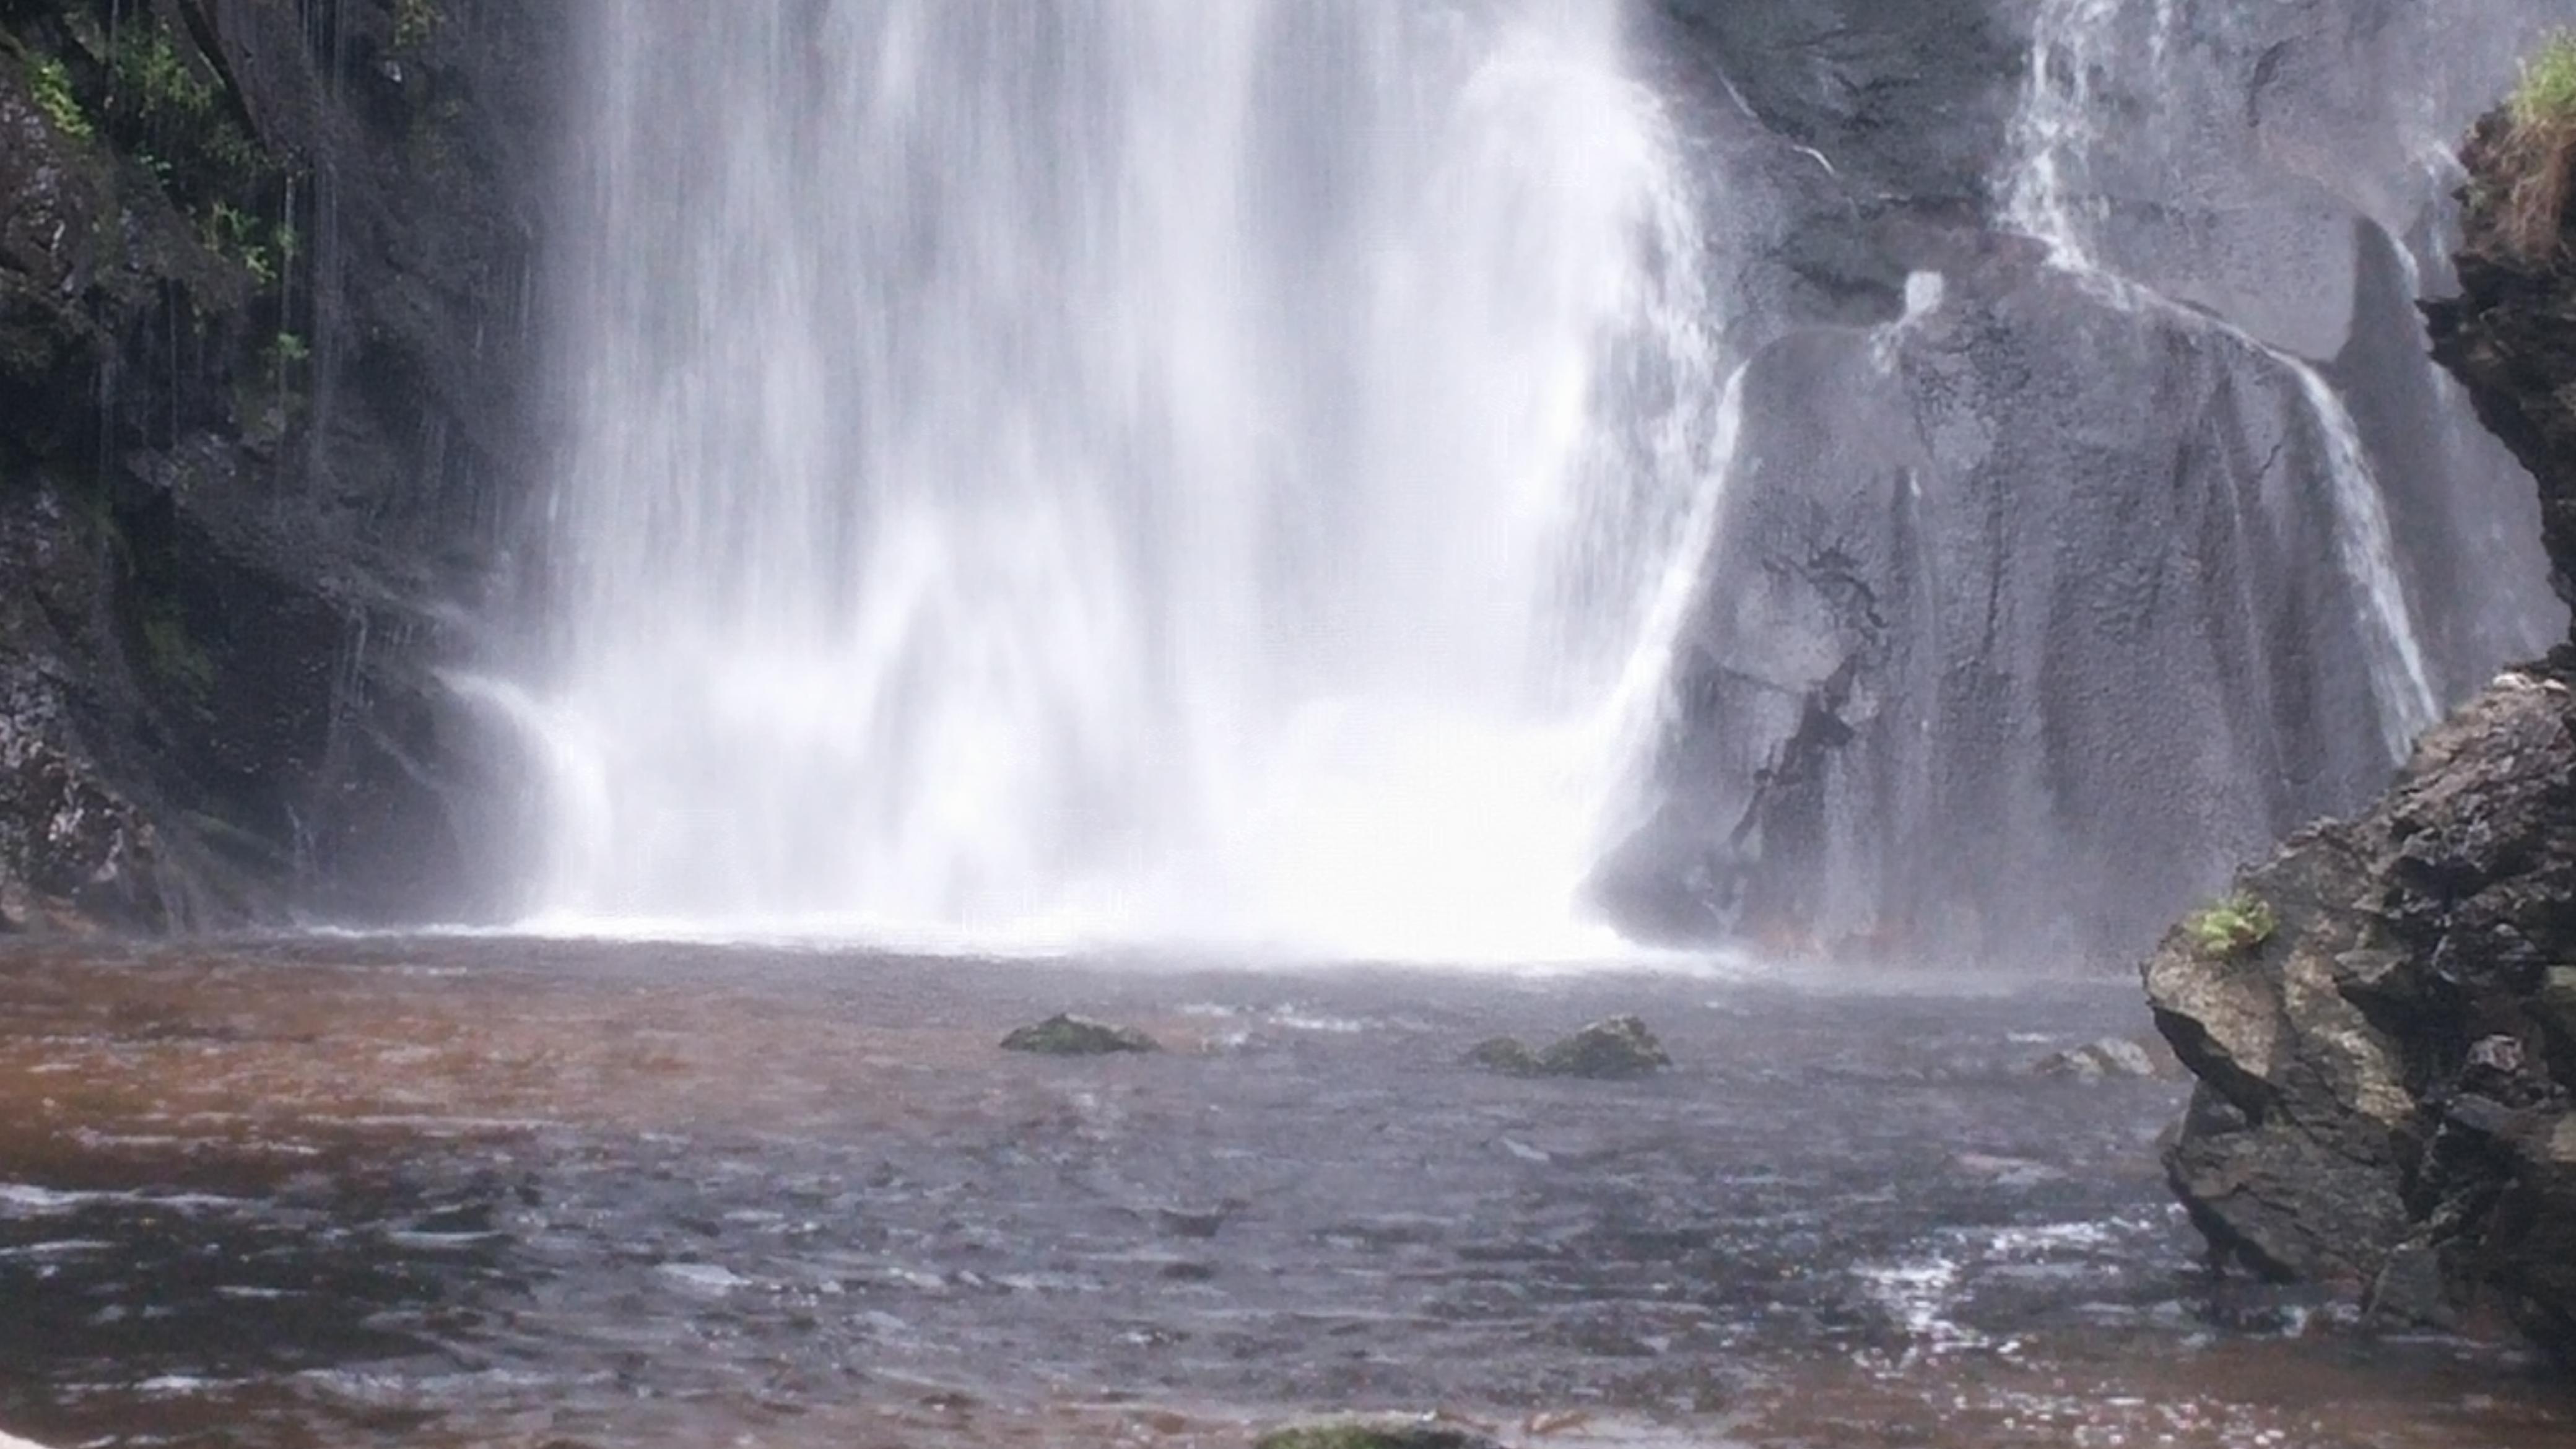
x=2385, y=1088
x=2094, y=1061
x=1375, y=1434
x=1508, y=1055
x=1065, y=1035
x=1620, y=1046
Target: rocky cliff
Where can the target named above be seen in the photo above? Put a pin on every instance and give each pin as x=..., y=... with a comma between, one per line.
x=265, y=273
x=2387, y=1095
x=2095, y=517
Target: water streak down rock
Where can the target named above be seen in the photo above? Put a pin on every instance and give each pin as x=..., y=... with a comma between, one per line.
x=2078, y=567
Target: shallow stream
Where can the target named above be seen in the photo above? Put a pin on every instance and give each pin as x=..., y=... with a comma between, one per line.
x=524, y=1193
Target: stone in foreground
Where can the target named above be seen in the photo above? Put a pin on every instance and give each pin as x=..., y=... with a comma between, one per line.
x=1604, y=1051
x=1076, y=1036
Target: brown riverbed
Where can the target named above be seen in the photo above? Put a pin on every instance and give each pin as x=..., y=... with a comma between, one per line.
x=505, y=1192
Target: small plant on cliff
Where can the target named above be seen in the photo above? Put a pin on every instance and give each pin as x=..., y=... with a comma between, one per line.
x=2539, y=149
x=176, y=657
x=159, y=103
x=415, y=21
x=2232, y=927
x=51, y=87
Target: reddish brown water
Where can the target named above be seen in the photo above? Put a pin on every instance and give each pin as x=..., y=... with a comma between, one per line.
x=452, y=1192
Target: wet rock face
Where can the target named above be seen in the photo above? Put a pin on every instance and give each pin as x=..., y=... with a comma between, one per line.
x=2506, y=337
x=73, y=852
x=262, y=355
x=1990, y=665
x=2387, y=1096
x=2029, y=613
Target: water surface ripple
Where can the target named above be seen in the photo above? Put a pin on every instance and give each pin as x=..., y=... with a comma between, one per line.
x=554, y=1194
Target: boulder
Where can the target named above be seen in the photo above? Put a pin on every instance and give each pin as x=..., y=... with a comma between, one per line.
x=1064, y=1035
x=2098, y=1060
x=2386, y=1076
x=1610, y=1049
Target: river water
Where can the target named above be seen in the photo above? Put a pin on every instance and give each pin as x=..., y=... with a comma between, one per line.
x=454, y=1191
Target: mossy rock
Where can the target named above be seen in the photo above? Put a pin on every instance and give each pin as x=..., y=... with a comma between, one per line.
x=1618, y=1047
x=1508, y=1055
x=2558, y=998
x=1374, y=1435
x=1074, y=1036
x=1615, y=1048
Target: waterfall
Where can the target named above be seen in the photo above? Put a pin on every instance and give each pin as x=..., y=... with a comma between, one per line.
x=1115, y=467
x=2052, y=197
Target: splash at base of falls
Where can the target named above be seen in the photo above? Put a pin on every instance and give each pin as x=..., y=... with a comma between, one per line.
x=1347, y=846
x=1073, y=473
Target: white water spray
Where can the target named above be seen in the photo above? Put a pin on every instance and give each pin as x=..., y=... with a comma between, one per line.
x=2051, y=199
x=1117, y=467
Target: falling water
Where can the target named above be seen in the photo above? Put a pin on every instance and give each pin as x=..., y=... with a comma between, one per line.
x=2051, y=199
x=1123, y=467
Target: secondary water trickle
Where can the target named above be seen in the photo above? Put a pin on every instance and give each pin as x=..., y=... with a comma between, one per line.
x=1135, y=468
x=2059, y=127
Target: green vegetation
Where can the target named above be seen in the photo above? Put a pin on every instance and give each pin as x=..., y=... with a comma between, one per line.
x=51, y=86
x=160, y=107
x=235, y=234
x=2235, y=926
x=176, y=657
x=415, y=21
x=2539, y=149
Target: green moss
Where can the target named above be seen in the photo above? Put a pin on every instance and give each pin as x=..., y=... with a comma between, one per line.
x=178, y=659
x=415, y=23
x=1074, y=1036
x=2235, y=926
x=50, y=84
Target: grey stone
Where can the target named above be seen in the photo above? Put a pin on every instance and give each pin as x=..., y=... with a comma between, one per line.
x=1617, y=1047
x=1065, y=1035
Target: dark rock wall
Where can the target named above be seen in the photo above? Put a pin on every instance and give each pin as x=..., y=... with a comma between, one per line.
x=1963, y=596
x=2029, y=615
x=2510, y=335
x=2387, y=1094
x=2024, y=618
x=265, y=271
